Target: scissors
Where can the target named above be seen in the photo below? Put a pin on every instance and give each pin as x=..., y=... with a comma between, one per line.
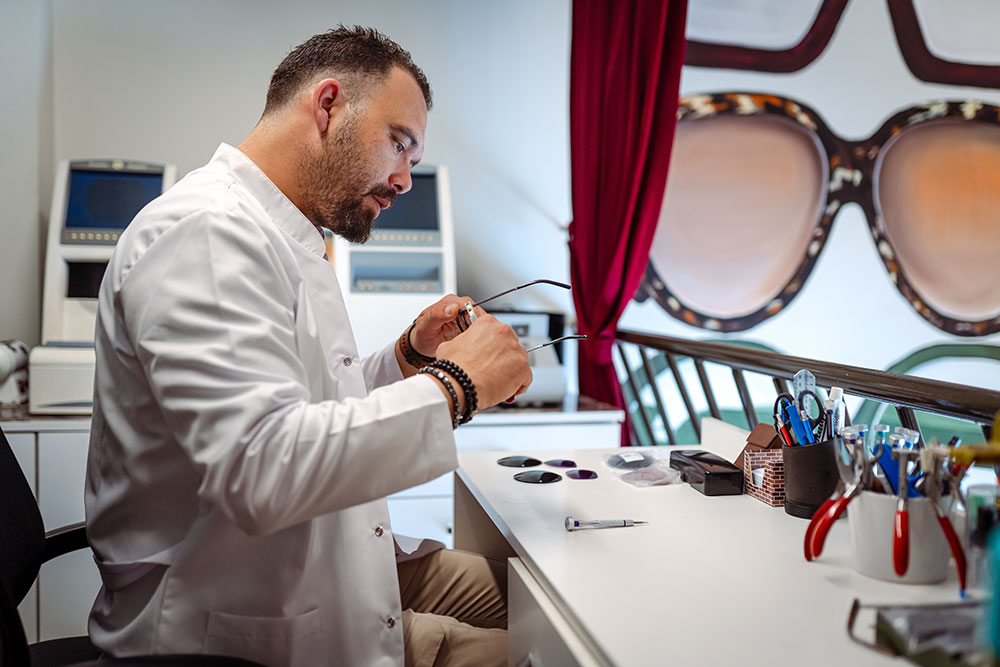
x=809, y=428
x=797, y=432
x=780, y=404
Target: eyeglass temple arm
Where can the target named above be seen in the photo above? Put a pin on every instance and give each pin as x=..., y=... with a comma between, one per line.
x=556, y=340
x=514, y=289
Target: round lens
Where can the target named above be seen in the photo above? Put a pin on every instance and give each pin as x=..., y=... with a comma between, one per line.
x=772, y=172
x=581, y=474
x=938, y=196
x=537, y=477
x=561, y=463
x=630, y=460
x=519, y=462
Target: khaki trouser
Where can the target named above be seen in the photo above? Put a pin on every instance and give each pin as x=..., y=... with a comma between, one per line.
x=454, y=610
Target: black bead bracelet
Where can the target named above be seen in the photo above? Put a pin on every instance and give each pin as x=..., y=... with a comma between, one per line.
x=471, y=399
x=443, y=377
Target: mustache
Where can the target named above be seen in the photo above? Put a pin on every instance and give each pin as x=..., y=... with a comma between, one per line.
x=385, y=192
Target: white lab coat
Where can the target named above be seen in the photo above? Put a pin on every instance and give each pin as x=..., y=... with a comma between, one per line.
x=240, y=451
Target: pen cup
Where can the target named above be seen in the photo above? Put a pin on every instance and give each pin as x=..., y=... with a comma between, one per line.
x=810, y=476
x=872, y=517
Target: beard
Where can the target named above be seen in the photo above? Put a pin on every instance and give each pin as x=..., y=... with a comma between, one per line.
x=337, y=178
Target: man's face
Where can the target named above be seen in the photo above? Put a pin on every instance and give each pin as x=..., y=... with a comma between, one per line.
x=365, y=159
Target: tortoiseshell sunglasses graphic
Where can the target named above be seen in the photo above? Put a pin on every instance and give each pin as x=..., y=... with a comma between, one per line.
x=756, y=181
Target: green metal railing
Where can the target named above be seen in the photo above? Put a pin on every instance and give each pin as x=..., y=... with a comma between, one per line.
x=648, y=361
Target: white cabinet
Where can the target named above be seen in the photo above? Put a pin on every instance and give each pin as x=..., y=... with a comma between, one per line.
x=23, y=445
x=427, y=510
x=53, y=456
x=68, y=584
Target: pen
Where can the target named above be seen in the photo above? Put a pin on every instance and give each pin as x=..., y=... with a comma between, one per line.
x=576, y=524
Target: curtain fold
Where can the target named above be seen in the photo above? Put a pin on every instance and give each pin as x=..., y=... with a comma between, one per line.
x=625, y=67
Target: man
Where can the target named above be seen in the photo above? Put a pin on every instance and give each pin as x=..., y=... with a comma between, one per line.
x=240, y=450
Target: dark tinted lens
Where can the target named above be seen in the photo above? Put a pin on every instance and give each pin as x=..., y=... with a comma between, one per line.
x=519, y=462
x=537, y=477
x=561, y=463
x=581, y=474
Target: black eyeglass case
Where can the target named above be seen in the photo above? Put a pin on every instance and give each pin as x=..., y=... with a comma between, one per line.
x=707, y=472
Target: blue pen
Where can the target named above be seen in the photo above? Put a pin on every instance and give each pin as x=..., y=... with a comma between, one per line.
x=798, y=429
x=807, y=427
x=806, y=423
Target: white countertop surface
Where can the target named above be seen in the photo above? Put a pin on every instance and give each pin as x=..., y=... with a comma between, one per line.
x=711, y=580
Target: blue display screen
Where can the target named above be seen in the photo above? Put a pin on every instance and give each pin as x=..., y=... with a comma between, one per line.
x=416, y=210
x=109, y=199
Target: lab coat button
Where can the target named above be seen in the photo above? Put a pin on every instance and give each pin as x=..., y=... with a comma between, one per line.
x=391, y=622
x=348, y=361
x=378, y=531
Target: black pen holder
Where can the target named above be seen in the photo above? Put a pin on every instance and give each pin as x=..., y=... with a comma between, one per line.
x=811, y=476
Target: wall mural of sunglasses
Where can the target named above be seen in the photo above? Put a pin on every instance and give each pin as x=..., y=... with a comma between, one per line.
x=928, y=181
x=941, y=41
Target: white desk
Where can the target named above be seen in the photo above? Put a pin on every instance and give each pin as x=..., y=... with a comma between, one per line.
x=711, y=580
x=579, y=423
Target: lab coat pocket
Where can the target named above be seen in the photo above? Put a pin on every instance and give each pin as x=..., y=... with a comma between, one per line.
x=274, y=641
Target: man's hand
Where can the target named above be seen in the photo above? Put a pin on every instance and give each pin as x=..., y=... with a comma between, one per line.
x=436, y=324
x=491, y=355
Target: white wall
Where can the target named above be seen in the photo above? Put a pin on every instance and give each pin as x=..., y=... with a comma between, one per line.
x=25, y=147
x=848, y=310
x=168, y=81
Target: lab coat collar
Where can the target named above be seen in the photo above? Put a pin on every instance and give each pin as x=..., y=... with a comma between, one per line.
x=282, y=211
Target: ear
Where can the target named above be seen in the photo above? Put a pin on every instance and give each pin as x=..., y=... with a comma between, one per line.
x=327, y=100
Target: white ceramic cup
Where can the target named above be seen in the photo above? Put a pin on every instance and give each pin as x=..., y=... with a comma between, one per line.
x=872, y=517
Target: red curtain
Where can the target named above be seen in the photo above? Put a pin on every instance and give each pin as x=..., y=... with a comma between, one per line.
x=625, y=68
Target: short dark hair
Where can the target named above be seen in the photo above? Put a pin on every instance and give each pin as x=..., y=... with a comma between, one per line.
x=347, y=52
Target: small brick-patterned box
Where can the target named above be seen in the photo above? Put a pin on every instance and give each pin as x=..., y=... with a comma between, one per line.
x=770, y=488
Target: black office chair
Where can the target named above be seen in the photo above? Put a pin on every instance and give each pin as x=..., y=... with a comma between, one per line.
x=24, y=546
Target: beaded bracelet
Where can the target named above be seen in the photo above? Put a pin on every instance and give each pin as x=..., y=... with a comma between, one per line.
x=471, y=399
x=411, y=356
x=443, y=377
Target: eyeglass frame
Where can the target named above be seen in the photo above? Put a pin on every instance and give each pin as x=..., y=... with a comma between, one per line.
x=909, y=38
x=851, y=167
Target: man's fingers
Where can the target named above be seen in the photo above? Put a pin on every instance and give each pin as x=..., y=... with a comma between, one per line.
x=521, y=390
x=454, y=305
